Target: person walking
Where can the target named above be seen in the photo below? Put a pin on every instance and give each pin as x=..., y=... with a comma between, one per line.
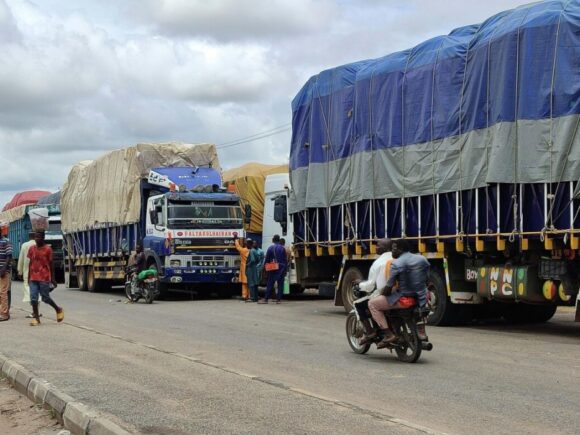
x=276, y=264
x=23, y=267
x=41, y=277
x=244, y=251
x=5, y=269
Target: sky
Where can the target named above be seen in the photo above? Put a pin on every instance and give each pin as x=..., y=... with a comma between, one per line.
x=79, y=78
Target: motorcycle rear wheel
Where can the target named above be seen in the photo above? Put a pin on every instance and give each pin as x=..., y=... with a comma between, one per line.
x=355, y=331
x=409, y=349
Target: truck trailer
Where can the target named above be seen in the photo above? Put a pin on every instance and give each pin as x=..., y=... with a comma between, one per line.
x=166, y=197
x=466, y=145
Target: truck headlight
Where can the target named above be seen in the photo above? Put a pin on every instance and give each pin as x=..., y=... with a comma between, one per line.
x=175, y=263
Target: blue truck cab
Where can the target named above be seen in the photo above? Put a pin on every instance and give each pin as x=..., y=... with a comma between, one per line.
x=186, y=226
x=189, y=223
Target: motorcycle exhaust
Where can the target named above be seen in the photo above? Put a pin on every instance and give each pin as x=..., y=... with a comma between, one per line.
x=425, y=345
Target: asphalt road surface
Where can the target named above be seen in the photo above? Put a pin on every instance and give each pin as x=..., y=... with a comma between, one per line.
x=223, y=366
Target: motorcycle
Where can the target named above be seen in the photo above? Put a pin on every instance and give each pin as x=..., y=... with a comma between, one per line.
x=404, y=323
x=143, y=286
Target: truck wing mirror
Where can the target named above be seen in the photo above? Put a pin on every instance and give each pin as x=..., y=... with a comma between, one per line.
x=247, y=213
x=280, y=209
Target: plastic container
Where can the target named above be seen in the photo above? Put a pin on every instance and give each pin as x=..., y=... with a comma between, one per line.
x=39, y=219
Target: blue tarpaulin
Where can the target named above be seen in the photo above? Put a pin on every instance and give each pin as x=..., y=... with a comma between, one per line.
x=496, y=102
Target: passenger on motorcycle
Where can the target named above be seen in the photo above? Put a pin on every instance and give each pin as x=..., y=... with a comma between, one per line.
x=377, y=279
x=410, y=272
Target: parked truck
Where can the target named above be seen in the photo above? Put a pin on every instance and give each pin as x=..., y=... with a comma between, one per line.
x=167, y=197
x=15, y=214
x=466, y=145
x=248, y=181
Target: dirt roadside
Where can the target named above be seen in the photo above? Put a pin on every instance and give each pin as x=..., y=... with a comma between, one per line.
x=19, y=416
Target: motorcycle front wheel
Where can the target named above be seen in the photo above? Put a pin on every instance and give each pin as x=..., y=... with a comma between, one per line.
x=354, y=332
x=149, y=293
x=408, y=348
x=128, y=292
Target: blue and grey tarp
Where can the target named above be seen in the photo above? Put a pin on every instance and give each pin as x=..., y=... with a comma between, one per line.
x=496, y=102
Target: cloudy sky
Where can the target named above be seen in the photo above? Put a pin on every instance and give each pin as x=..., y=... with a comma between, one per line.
x=78, y=78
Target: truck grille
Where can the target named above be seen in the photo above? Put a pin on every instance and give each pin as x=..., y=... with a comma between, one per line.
x=205, y=260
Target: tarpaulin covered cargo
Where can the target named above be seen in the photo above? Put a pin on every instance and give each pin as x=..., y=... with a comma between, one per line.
x=24, y=198
x=496, y=102
x=52, y=199
x=13, y=214
x=249, y=182
x=107, y=190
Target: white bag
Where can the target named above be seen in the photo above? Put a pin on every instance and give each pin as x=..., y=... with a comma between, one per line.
x=39, y=218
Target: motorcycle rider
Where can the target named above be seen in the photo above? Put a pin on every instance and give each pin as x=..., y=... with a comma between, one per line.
x=410, y=271
x=138, y=263
x=377, y=279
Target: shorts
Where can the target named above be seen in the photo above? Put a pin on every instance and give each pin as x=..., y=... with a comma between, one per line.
x=41, y=288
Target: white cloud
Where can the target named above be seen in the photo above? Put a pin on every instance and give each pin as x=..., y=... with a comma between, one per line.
x=79, y=78
x=229, y=20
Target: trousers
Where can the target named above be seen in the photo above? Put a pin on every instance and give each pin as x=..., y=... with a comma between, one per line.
x=4, y=287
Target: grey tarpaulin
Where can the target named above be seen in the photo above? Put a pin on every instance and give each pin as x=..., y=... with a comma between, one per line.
x=107, y=190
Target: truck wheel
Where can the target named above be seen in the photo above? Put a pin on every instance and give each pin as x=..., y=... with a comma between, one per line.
x=351, y=274
x=91, y=281
x=520, y=313
x=82, y=278
x=443, y=311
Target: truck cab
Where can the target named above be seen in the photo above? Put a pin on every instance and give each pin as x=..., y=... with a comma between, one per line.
x=190, y=222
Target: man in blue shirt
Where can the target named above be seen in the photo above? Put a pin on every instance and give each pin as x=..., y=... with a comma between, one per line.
x=411, y=272
x=276, y=253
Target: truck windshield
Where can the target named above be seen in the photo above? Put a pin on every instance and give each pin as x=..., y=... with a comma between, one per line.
x=203, y=215
x=53, y=226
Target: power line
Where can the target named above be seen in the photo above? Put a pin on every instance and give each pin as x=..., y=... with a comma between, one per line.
x=264, y=134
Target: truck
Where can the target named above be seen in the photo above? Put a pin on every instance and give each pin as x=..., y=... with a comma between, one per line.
x=248, y=181
x=53, y=235
x=15, y=214
x=167, y=197
x=467, y=146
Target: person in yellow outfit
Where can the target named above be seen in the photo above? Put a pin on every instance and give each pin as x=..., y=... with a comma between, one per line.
x=244, y=252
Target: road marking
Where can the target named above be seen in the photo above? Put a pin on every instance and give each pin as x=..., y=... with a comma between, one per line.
x=270, y=382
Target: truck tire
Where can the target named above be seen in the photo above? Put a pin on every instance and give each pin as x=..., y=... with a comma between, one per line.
x=91, y=280
x=82, y=278
x=443, y=311
x=521, y=313
x=352, y=273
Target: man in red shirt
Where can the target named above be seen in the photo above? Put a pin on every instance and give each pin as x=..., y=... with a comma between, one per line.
x=41, y=277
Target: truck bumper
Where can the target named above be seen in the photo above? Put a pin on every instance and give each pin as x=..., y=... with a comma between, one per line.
x=199, y=276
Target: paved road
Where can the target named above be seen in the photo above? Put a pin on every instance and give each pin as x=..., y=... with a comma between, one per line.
x=222, y=366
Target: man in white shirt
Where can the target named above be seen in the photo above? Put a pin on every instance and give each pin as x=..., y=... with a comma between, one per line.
x=23, y=264
x=376, y=281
